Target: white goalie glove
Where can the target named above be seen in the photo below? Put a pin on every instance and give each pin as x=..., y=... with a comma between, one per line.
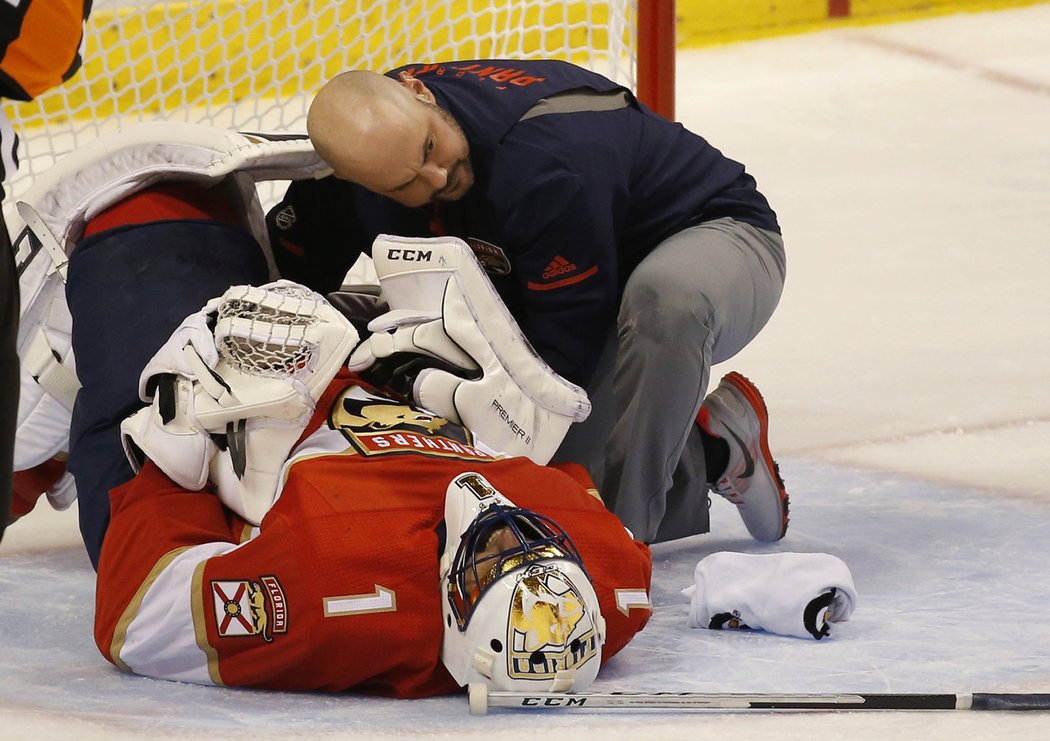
x=168, y=432
x=450, y=336
x=228, y=404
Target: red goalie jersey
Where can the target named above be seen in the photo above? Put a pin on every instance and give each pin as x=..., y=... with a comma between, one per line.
x=339, y=588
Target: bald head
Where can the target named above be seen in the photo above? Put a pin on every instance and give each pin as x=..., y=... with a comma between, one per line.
x=355, y=112
x=390, y=137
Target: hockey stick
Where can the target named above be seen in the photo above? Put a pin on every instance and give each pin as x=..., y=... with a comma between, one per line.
x=481, y=700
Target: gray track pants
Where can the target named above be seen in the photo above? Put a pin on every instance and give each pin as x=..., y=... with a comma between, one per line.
x=696, y=300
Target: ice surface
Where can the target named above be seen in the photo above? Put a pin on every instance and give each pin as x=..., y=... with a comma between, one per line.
x=907, y=372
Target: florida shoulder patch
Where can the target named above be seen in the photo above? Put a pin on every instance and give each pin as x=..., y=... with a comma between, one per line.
x=249, y=608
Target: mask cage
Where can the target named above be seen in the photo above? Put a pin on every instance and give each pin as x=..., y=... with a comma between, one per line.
x=536, y=537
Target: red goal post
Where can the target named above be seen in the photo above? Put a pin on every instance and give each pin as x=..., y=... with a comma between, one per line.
x=254, y=64
x=656, y=55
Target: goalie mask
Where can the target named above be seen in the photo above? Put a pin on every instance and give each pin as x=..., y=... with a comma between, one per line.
x=519, y=610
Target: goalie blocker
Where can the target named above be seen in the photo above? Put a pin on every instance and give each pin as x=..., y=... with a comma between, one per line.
x=449, y=341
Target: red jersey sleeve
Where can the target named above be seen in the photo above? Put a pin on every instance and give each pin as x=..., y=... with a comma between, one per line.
x=316, y=598
x=158, y=534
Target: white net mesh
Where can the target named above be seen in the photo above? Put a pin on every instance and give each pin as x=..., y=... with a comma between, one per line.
x=253, y=64
x=264, y=332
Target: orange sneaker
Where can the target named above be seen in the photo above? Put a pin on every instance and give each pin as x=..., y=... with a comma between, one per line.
x=736, y=413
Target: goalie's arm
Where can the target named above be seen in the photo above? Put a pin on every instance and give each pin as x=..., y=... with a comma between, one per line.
x=180, y=597
x=159, y=535
x=184, y=591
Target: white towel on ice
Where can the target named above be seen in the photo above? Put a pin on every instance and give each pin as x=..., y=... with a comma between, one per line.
x=792, y=594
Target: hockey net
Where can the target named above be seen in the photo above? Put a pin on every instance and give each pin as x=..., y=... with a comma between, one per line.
x=253, y=64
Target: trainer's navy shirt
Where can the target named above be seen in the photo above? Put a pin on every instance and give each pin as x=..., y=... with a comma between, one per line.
x=563, y=207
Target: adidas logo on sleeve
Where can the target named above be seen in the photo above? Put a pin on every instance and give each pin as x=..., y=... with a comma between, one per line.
x=560, y=272
x=558, y=267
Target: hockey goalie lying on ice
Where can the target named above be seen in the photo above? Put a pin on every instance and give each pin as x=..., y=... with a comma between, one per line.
x=399, y=554
x=262, y=538
x=291, y=524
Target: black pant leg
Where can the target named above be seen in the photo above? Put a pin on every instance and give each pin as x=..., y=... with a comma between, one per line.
x=9, y=379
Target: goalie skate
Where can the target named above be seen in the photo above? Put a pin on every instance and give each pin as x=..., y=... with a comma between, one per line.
x=736, y=412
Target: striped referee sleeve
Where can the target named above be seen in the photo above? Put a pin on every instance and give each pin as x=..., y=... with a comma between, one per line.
x=39, y=44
